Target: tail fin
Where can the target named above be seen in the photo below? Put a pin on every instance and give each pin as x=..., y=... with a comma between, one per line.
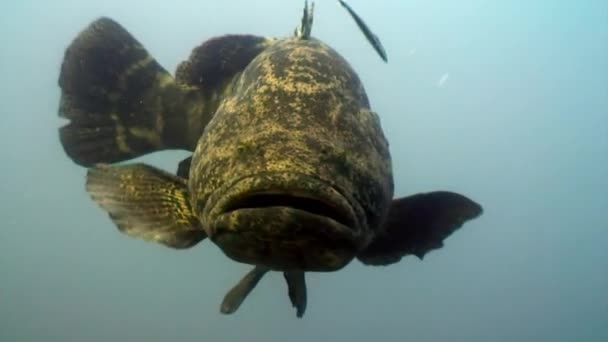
x=120, y=102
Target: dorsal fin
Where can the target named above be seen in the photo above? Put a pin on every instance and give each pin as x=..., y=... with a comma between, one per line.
x=219, y=59
x=305, y=27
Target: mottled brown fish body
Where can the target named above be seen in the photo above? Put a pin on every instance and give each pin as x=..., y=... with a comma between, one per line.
x=291, y=168
x=293, y=171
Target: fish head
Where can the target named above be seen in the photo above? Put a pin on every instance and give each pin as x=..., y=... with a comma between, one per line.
x=293, y=171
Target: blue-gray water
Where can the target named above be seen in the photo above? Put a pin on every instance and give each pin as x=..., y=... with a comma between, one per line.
x=504, y=101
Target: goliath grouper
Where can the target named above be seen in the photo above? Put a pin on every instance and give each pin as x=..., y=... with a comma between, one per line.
x=290, y=170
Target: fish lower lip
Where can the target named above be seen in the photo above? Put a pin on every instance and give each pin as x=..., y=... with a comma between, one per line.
x=302, y=202
x=284, y=238
x=305, y=192
x=284, y=220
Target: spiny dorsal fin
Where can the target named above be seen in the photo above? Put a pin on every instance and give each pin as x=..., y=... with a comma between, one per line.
x=304, y=29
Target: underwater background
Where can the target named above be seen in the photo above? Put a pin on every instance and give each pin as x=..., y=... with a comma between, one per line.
x=503, y=101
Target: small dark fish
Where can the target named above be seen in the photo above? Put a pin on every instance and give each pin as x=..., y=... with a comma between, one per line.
x=371, y=37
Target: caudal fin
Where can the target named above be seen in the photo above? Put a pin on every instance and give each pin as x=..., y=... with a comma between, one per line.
x=120, y=102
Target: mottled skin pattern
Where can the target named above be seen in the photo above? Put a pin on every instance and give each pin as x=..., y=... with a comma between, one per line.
x=287, y=116
x=296, y=121
x=120, y=100
x=122, y=103
x=291, y=171
x=162, y=214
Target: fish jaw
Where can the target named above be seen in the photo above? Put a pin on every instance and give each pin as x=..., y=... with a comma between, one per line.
x=285, y=222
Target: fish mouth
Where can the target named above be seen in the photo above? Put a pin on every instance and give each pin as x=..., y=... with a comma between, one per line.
x=285, y=222
x=295, y=201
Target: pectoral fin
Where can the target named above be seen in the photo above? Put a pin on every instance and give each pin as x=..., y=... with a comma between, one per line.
x=146, y=203
x=418, y=224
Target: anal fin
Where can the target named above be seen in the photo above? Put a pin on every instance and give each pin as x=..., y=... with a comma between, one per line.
x=146, y=203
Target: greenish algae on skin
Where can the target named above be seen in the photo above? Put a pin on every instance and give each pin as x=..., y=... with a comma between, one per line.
x=296, y=121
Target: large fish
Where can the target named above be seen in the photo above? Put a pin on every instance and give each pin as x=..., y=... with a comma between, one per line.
x=290, y=170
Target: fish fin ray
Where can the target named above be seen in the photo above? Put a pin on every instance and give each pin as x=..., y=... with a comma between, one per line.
x=213, y=63
x=417, y=224
x=120, y=102
x=146, y=203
